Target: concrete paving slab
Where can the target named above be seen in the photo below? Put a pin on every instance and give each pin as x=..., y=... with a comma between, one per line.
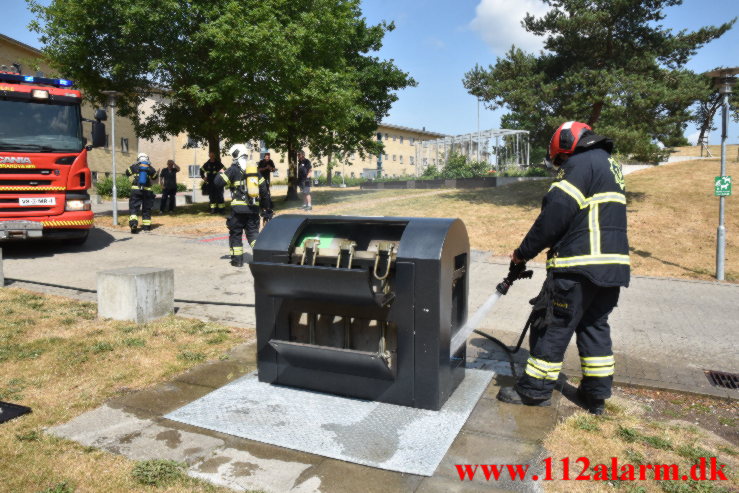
x=481, y=448
x=439, y=484
x=102, y=425
x=241, y=470
x=160, y=399
x=345, y=477
x=215, y=374
x=506, y=420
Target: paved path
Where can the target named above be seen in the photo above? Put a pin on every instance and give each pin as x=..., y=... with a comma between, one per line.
x=666, y=331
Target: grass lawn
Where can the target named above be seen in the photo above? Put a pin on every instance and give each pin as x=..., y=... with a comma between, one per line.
x=673, y=216
x=647, y=427
x=57, y=358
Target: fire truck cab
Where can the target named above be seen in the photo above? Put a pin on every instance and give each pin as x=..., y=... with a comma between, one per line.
x=44, y=176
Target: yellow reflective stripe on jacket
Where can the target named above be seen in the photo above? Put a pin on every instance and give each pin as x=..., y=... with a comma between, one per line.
x=602, y=259
x=570, y=190
x=225, y=178
x=238, y=202
x=237, y=183
x=148, y=189
x=261, y=180
x=600, y=198
x=594, y=228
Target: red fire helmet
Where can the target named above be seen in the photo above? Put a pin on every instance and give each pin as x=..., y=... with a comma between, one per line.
x=565, y=139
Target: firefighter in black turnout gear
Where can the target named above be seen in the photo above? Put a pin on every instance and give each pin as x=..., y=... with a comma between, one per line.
x=249, y=194
x=142, y=197
x=583, y=224
x=208, y=172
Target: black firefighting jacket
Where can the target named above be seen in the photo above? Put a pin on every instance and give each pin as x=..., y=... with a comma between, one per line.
x=151, y=174
x=583, y=219
x=210, y=170
x=235, y=179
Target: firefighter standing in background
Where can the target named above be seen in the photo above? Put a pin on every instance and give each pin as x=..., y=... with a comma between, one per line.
x=583, y=223
x=266, y=167
x=142, y=197
x=249, y=194
x=208, y=172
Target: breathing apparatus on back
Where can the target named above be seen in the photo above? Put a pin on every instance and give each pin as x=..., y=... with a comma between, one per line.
x=251, y=173
x=144, y=165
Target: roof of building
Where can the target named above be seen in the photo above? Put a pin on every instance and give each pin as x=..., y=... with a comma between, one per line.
x=409, y=129
x=20, y=44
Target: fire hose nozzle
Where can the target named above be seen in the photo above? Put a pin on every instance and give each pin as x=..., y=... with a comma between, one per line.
x=515, y=272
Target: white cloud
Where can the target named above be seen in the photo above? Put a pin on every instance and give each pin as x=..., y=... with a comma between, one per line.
x=499, y=24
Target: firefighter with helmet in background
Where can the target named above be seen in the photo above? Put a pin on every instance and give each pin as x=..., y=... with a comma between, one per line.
x=142, y=196
x=249, y=194
x=583, y=224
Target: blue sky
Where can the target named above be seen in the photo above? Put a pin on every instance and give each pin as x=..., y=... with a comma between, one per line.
x=437, y=41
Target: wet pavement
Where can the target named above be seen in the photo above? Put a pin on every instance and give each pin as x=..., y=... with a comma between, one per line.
x=133, y=426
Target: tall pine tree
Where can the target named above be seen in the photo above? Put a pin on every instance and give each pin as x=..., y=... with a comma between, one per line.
x=610, y=63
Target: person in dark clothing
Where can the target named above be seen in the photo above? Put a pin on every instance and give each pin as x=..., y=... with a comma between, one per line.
x=208, y=172
x=583, y=224
x=142, y=197
x=249, y=192
x=168, y=178
x=305, y=173
x=266, y=166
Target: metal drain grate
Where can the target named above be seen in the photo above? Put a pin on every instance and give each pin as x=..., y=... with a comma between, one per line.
x=722, y=379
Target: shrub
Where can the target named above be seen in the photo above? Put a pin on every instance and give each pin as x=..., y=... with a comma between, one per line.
x=104, y=187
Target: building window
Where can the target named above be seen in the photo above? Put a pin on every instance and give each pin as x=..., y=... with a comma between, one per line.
x=107, y=142
x=385, y=157
x=124, y=145
x=94, y=176
x=193, y=171
x=410, y=159
x=401, y=139
x=413, y=140
x=401, y=159
x=393, y=157
x=385, y=136
x=395, y=137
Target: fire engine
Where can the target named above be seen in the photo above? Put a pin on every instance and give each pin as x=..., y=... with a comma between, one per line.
x=44, y=175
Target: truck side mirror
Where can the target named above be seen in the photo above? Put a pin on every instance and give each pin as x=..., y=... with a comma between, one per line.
x=101, y=115
x=98, y=134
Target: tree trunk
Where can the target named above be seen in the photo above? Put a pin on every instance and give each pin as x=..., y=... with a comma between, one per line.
x=292, y=170
x=329, y=168
x=595, y=113
x=214, y=145
x=706, y=125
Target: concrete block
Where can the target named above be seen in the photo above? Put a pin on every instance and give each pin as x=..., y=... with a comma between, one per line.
x=138, y=294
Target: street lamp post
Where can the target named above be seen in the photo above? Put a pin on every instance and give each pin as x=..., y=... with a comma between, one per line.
x=723, y=79
x=112, y=95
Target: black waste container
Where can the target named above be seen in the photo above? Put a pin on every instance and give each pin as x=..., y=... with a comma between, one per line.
x=361, y=306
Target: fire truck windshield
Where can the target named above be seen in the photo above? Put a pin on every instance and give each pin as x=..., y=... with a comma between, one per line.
x=40, y=127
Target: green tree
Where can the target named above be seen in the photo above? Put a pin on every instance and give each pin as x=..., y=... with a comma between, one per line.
x=708, y=107
x=233, y=70
x=609, y=63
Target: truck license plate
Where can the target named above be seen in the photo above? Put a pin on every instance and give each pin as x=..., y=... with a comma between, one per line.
x=31, y=201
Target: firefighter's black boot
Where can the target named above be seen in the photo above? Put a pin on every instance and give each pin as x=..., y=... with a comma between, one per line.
x=133, y=224
x=593, y=405
x=237, y=260
x=146, y=227
x=511, y=396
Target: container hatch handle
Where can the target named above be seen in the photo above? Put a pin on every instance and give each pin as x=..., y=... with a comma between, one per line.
x=384, y=248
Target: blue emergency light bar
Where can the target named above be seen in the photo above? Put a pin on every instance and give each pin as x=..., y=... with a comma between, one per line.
x=46, y=81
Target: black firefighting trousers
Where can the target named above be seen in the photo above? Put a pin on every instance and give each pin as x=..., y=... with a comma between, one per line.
x=571, y=305
x=215, y=196
x=237, y=224
x=140, y=203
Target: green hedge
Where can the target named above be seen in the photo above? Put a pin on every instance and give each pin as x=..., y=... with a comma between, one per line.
x=104, y=187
